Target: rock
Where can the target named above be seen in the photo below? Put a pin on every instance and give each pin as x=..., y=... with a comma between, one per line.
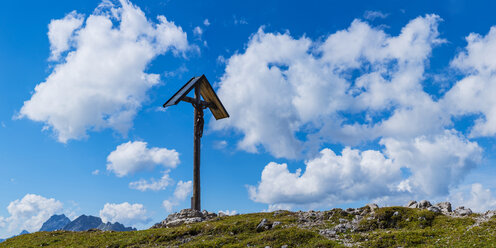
x=264, y=225
x=434, y=209
x=276, y=223
x=341, y=228
x=445, y=207
x=411, y=204
x=352, y=211
x=185, y=216
x=208, y=215
x=396, y=213
x=327, y=232
x=424, y=204
x=284, y=246
x=489, y=214
x=372, y=206
x=462, y=211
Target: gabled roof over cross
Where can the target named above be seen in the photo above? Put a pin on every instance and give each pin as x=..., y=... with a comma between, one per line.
x=207, y=92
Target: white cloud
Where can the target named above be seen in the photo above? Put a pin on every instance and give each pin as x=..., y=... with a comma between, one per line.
x=354, y=175
x=448, y=154
x=169, y=205
x=135, y=156
x=358, y=87
x=198, y=31
x=220, y=144
x=206, y=22
x=228, y=212
x=298, y=85
x=101, y=81
x=372, y=15
x=476, y=197
x=95, y=172
x=474, y=94
x=60, y=33
x=329, y=178
x=182, y=191
x=29, y=213
x=152, y=184
x=124, y=213
x=3, y=222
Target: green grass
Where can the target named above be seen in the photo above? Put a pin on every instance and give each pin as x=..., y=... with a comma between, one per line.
x=407, y=228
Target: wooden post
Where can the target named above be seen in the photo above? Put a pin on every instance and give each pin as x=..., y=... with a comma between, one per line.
x=195, y=201
x=211, y=101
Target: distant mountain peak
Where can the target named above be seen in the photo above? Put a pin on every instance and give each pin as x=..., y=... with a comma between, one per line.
x=115, y=227
x=56, y=222
x=83, y=223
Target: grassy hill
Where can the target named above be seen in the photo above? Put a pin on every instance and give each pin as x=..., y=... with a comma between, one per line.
x=383, y=227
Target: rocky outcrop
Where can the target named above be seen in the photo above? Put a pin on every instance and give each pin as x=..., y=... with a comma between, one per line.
x=264, y=225
x=445, y=207
x=185, y=216
x=442, y=207
x=56, y=222
x=462, y=211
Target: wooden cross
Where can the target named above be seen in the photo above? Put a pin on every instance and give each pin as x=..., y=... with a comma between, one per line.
x=211, y=101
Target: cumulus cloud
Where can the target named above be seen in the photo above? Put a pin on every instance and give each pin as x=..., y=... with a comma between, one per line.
x=182, y=191
x=152, y=184
x=135, y=156
x=169, y=205
x=474, y=94
x=331, y=179
x=101, y=81
x=302, y=86
x=359, y=86
x=448, y=154
x=60, y=33
x=124, y=213
x=29, y=213
x=476, y=197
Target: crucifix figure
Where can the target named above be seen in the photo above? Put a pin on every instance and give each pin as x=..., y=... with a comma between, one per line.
x=210, y=100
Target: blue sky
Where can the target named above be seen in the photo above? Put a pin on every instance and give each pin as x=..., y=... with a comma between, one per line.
x=382, y=102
